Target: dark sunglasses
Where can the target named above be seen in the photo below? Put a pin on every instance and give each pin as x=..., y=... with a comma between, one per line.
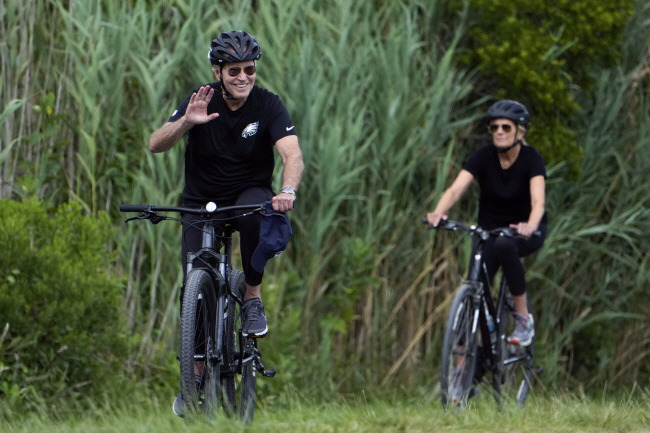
x=505, y=126
x=236, y=70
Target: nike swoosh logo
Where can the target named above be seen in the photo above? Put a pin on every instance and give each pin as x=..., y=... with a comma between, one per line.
x=289, y=128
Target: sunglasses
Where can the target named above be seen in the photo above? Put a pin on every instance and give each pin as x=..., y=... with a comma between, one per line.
x=236, y=70
x=505, y=126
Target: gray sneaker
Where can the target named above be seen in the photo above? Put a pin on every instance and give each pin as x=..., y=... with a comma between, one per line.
x=177, y=407
x=254, y=319
x=524, y=330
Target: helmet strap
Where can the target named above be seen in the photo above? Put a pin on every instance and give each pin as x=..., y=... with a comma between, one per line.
x=505, y=149
x=226, y=94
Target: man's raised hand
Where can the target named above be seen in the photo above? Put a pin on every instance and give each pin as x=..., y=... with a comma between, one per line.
x=197, y=109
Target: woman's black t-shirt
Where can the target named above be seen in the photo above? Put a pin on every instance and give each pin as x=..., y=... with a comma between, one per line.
x=505, y=193
x=233, y=152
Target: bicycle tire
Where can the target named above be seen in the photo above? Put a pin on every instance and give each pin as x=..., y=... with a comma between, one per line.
x=459, y=349
x=513, y=380
x=238, y=387
x=199, y=370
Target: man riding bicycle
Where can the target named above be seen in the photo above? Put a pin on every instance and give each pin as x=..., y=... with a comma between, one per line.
x=511, y=176
x=232, y=127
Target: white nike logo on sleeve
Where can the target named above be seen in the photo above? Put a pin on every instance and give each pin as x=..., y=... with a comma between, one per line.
x=289, y=128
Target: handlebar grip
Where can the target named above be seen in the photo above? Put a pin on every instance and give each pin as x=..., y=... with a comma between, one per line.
x=133, y=207
x=442, y=224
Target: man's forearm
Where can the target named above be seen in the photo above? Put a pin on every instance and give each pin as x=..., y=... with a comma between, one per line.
x=292, y=173
x=165, y=137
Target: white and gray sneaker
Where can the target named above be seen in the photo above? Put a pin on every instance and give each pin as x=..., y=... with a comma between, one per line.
x=177, y=407
x=524, y=330
x=255, y=324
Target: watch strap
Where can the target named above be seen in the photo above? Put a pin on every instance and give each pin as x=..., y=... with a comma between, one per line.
x=288, y=190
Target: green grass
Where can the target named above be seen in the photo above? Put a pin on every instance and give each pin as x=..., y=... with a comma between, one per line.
x=553, y=414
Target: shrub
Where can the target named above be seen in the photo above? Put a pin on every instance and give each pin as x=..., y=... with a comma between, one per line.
x=545, y=54
x=62, y=331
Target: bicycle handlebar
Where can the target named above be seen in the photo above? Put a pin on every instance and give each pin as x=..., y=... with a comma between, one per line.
x=151, y=212
x=477, y=231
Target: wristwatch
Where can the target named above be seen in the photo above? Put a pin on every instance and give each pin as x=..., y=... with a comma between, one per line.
x=288, y=190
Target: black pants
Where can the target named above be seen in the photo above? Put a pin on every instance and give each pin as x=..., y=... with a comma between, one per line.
x=507, y=252
x=248, y=227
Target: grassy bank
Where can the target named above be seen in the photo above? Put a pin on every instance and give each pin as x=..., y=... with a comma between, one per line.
x=552, y=414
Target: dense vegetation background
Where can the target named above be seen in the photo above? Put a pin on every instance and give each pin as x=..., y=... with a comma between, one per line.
x=387, y=98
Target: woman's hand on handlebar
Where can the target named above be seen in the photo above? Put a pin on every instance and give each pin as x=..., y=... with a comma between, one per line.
x=434, y=218
x=524, y=229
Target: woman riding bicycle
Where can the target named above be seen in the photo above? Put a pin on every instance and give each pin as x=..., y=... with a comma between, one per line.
x=511, y=176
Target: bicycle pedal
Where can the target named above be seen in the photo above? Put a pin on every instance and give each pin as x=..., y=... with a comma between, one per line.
x=255, y=336
x=260, y=367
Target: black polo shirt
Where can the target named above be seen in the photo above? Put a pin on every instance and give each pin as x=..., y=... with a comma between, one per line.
x=233, y=152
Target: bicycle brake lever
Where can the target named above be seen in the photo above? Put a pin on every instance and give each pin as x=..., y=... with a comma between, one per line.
x=139, y=217
x=151, y=216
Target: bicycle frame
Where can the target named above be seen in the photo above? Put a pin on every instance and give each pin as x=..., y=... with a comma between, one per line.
x=208, y=253
x=223, y=257
x=485, y=302
x=477, y=269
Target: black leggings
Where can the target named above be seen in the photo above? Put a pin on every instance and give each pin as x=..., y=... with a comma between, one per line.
x=248, y=227
x=507, y=252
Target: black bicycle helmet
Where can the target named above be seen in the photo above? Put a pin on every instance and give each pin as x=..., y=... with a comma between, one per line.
x=508, y=109
x=233, y=47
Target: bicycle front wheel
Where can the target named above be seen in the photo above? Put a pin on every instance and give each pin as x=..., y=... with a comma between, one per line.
x=239, y=381
x=199, y=376
x=515, y=372
x=459, y=348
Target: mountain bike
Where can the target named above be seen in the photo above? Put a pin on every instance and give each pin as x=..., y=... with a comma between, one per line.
x=216, y=359
x=475, y=339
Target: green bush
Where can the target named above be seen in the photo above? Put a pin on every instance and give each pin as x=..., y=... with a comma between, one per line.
x=62, y=330
x=544, y=54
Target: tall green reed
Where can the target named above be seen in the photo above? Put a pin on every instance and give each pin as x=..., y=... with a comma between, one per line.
x=593, y=291
x=375, y=109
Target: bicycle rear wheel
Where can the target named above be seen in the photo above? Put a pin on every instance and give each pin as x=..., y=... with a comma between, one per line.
x=515, y=372
x=238, y=386
x=459, y=348
x=199, y=378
